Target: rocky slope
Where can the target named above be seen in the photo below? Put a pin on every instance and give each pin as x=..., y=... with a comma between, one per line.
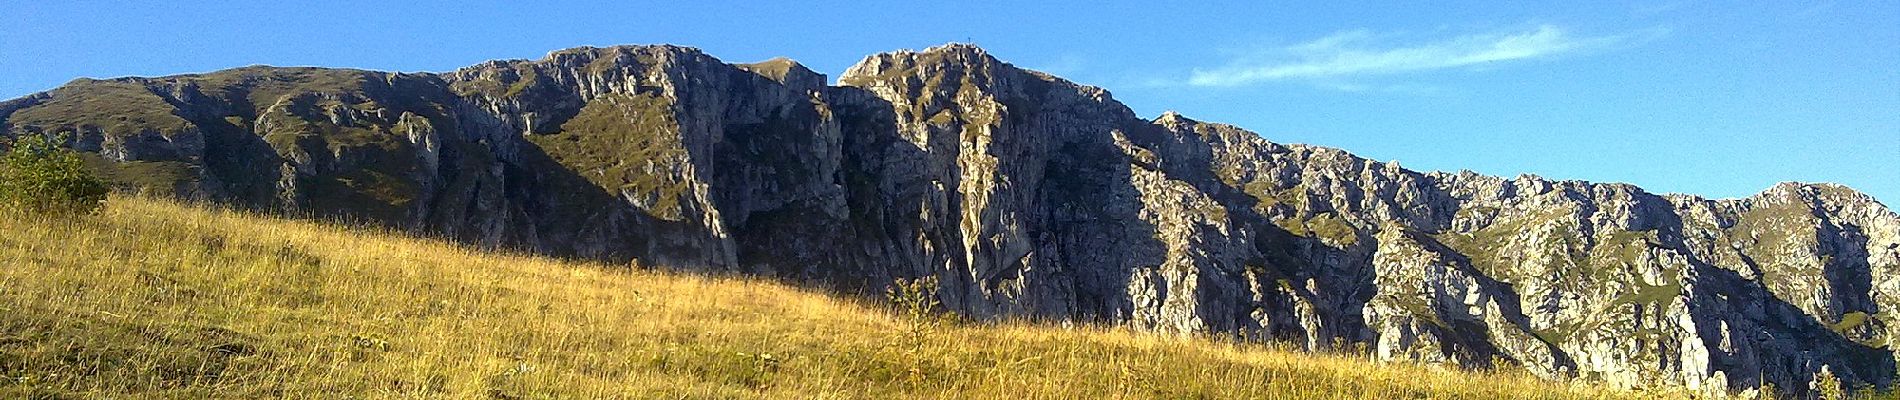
x=1026, y=195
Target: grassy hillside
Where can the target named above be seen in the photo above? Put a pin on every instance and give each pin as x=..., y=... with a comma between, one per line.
x=155, y=299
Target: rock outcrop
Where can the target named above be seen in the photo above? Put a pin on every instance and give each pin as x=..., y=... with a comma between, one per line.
x=1027, y=195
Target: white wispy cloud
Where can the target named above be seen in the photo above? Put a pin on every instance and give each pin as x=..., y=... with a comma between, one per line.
x=1356, y=53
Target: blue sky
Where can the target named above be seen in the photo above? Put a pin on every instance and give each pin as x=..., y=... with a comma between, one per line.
x=1694, y=97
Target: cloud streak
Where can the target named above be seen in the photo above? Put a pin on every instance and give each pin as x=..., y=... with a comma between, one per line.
x=1352, y=53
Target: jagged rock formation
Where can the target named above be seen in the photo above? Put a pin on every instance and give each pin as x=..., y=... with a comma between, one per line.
x=1027, y=195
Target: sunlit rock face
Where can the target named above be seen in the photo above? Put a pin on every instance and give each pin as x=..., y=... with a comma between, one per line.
x=1027, y=195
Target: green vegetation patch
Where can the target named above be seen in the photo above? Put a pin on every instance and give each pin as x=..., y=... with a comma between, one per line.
x=1328, y=226
x=1493, y=250
x=528, y=77
x=162, y=177
x=1418, y=306
x=1767, y=233
x=1269, y=195
x=1559, y=333
x=363, y=168
x=1848, y=322
x=263, y=86
x=115, y=107
x=503, y=85
x=1661, y=295
x=626, y=145
x=1621, y=249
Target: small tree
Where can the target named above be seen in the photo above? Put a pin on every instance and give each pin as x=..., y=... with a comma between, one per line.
x=39, y=176
x=1826, y=386
x=916, y=299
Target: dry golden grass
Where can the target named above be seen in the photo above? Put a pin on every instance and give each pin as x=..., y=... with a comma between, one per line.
x=156, y=299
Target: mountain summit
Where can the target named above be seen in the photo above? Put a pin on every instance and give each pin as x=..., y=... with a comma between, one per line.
x=1026, y=195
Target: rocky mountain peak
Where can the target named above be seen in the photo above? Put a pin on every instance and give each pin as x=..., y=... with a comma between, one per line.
x=1175, y=122
x=586, y=67
x=623, y=54
x=1830, y=192
x=786, y=71
x=954, y=60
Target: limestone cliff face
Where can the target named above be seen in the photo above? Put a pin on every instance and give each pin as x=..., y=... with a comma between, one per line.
x=1027, y=195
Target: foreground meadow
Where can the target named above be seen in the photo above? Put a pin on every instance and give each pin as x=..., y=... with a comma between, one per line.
x=154, y=299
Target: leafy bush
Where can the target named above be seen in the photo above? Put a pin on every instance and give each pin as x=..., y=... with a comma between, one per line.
x=38, y=176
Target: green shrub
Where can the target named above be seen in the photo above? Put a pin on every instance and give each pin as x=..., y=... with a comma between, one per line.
x=39, y=176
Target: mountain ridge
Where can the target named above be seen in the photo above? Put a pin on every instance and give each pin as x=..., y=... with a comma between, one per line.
x=6, y=110
x=1029, y=195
